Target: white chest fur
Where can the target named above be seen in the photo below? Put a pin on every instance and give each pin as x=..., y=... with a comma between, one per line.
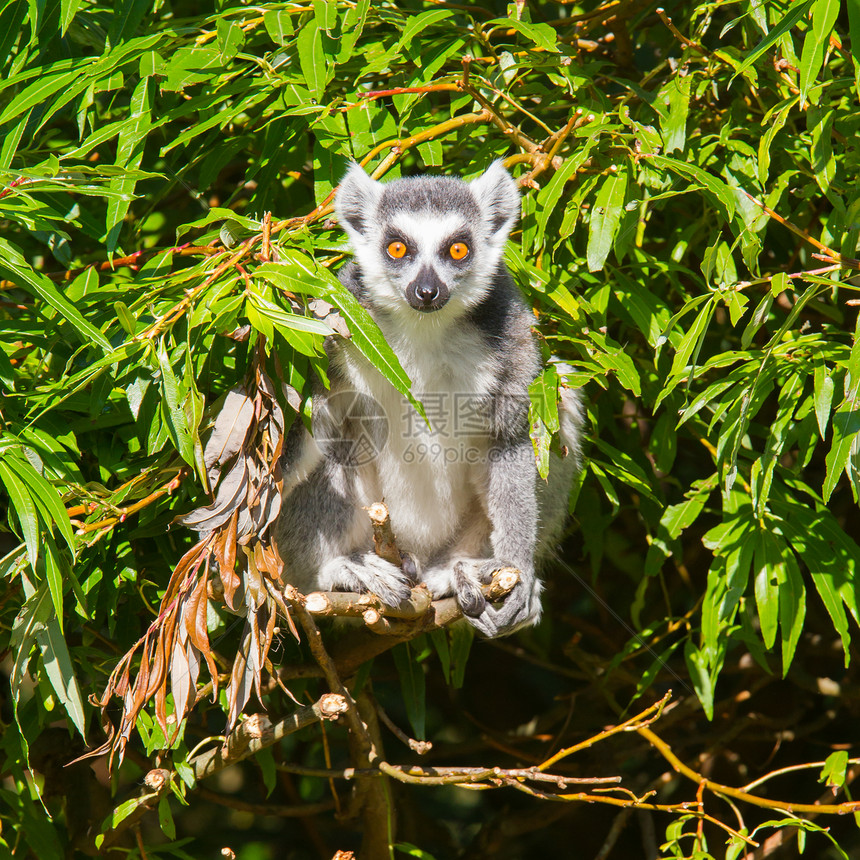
x=430, y=477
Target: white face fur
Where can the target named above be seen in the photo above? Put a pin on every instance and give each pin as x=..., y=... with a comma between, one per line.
x=428, y=246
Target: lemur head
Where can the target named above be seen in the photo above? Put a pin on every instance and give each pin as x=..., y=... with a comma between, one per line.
x=428, y=242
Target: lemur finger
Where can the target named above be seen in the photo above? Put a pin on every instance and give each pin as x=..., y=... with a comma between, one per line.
x=469, y=596
x=410, y=566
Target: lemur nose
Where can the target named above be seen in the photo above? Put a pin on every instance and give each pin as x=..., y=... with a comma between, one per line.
x=427, y=293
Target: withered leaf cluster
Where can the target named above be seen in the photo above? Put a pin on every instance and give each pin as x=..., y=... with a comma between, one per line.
x=234, y=562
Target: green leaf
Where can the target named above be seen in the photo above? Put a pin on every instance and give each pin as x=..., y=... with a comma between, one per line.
x=824, y=387
x=312, y=59
x=832, y=557
x=37, y=92
x=795, y=13
x=118, y=815
x=769, y=571
x=543, y=393
x=130, y=144
x=172, y=409
x=703, y=683
x=417, y=23
x=165, y=818
x=46, y=498
x=279, y=25
x=552, y=192
x=69, y=8
x=846, y=425
x=817, y=37
x=691, y=343
x=38, y=285
x=722, y=194
x=462, y=636
x=412, y=686
x=25, y=510
x=37, y=623
x=792, y=607
x=280, y=317
x=834, y=770
x=675, y=97
x=605, y=217
x=541, y=34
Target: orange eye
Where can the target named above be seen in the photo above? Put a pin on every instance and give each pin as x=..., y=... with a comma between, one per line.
x=396, y=250
x=458, y=250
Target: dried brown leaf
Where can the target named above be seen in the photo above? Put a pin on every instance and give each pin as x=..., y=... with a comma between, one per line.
x=180, y=678
x=241, y=681
x=229, y=433
x=255, y=592
x=231, y=493
x=225, y=555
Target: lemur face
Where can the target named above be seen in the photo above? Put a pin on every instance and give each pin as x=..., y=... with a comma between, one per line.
x=426, y=244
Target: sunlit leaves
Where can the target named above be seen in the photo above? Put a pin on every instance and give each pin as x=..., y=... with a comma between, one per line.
x=606, y=218
x=716, y=351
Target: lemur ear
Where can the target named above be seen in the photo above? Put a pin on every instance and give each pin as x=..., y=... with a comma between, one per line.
x=498, y=198
x=355, y=200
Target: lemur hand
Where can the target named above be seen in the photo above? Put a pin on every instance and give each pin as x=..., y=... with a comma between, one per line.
x=521, y=607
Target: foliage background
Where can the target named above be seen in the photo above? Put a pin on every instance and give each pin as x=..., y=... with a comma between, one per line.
x=689, y=240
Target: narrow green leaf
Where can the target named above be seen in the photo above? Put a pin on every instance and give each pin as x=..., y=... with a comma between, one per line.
x=36, y=622
x=38, y=92
x=54, y=575
x=792, y=607
x=691, y=342
x=462, y=637
x=824, y=14
x=823, y=386
x=353, y=26
x=552, y=192
x=312, y=59
x=846, y=425
x=413, y=688
x=795, y=13
x=723, y=195
x=675, y=108
x=172, y=409
x=769, y=571
x=541, y=34
x=165, y=818
x=38, y=285
x=703, y=683
x=58, y=667
x=68, y=10
x=605, y=217
x=25, y=510
x=544, y=397
x=130, y=144
x=46, y=497
x=417, y=23
x=298, y=270
x=282, y=318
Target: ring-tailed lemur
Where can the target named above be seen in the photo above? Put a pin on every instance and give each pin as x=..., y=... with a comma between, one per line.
x=463, y=493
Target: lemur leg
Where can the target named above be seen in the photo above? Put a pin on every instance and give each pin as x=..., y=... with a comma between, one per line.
x=512, y=509
x=324, y=537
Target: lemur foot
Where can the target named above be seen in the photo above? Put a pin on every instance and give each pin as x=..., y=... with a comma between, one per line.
x=362, y=572
x=521, y=607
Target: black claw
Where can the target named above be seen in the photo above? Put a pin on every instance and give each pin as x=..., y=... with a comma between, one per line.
x=471, y=601
x=469, y=596
x=409, y=566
